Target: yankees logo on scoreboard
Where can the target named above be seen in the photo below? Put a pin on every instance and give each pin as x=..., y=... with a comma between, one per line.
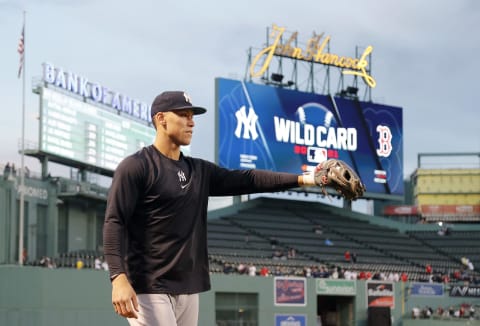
x=247, y=123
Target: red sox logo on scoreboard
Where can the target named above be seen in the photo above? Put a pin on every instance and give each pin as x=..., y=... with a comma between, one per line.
x=384, y=141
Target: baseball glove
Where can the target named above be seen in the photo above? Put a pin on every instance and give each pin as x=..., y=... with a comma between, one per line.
x=340, y=176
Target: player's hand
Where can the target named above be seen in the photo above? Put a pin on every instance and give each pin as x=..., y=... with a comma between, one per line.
x=124, y=298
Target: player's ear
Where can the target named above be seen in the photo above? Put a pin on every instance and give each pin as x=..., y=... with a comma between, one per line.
x=159, y=119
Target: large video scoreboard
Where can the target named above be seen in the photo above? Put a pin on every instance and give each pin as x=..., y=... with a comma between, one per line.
x=281, y=129
x=87, y=133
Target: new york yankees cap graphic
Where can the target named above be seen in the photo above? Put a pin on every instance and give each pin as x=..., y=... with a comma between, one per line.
x=174, y=100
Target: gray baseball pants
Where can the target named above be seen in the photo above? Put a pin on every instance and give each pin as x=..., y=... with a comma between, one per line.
x=166, y=310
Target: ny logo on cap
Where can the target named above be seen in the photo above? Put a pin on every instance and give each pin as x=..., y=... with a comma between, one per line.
x=187, y=98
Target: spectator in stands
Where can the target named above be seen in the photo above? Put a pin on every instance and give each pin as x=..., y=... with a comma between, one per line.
x=307, y=271
x=242, y=268
x=105, y=265
x=353, y=275
x=277, y=271
x=347, y=256
x=430, y=278
x=445, y=278
x=428, y=269
x=98, y=263
x=451, y=311
x=79, y=264
x=427, y=312
x=264, y=271
x=456, y=313
x=465, y=276
x=347, y=274
x=368, y=275
x=396, y=277
x=47, y=262
x=278, y=254
x=228, y=268
x=24, y=255
x=354, y=257
x=7, y=169
x=350, y=275
x=439, y=311
x=252, y=270
x=444, y=231
x=446, y=314
x=404, y=277
x=291, y=253
x=383, y=276
x=334, y=274
x=437, y=278
x=323, y=272
x=457, y=275
x=361, y=275
x=470, y=265
x=157, y=211
x=44, y=261
x=273, y=242
x=391, y=277
x=416, y=312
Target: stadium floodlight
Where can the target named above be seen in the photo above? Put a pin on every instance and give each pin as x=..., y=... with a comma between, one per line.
x=276, y=80
x=352, y=90
x=276, y=77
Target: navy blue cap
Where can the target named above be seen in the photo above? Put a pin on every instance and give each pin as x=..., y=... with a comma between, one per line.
x=174, y=100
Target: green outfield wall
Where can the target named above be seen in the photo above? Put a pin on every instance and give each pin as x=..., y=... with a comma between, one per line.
x=50, y=297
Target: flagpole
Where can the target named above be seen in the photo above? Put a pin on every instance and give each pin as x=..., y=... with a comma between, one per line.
x=22, y=169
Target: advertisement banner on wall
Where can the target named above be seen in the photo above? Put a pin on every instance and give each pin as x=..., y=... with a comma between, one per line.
x=290, y=291
x=426, y=289
x=290, y=320
x=465, y=291
x=336, y=287
x=380, y=294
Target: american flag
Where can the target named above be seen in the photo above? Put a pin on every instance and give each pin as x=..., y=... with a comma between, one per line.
x=21, y=51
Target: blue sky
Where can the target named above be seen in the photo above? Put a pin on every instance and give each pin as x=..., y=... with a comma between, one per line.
x=425, y=57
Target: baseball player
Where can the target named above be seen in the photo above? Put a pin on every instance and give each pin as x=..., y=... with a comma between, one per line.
x=155, y=230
